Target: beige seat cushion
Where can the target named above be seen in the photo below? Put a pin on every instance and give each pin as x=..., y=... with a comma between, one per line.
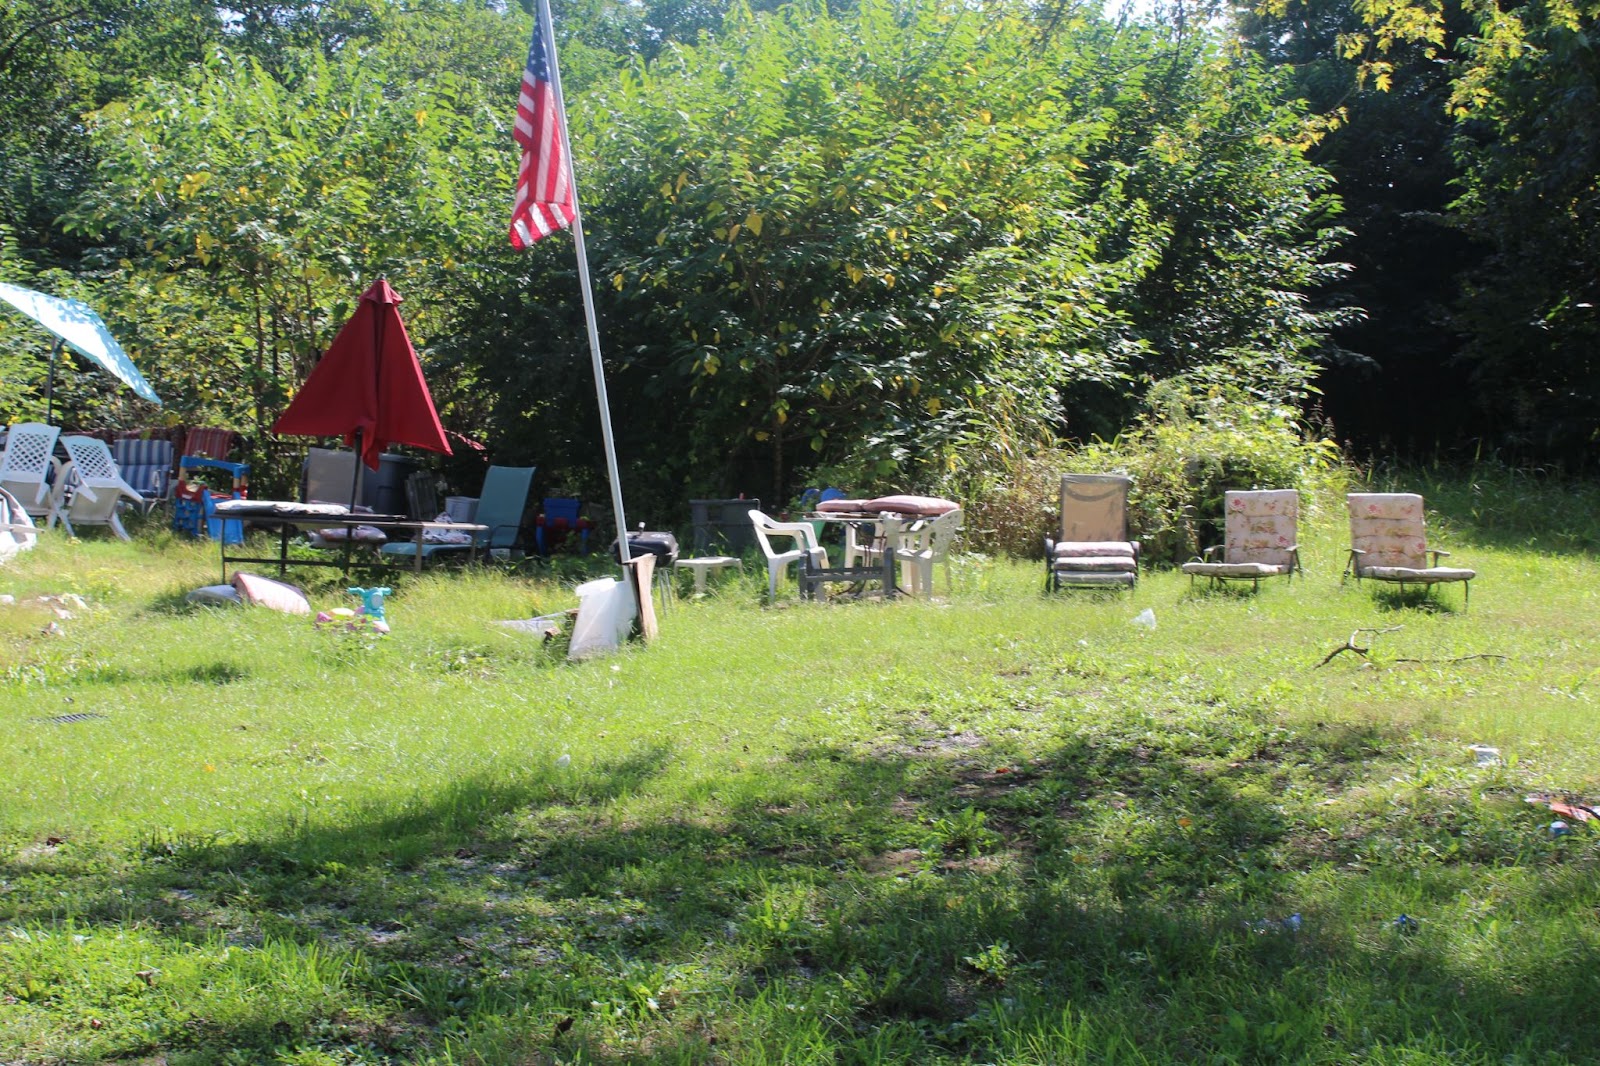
x=1089, y=549
x=1260, y=527
x=1083, y=577
x=1389, y=528
x=1235, y=569
x=1427, y=576
x=1094, y=564
x=1094, y=507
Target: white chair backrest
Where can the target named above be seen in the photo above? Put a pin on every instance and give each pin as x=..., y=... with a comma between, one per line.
x=1094, y=507
x=1389, y=528
x=29, y=455
x=932, y=536
x=805, y=536
x=92, y=464
x=1261, y=527
x=942, y=532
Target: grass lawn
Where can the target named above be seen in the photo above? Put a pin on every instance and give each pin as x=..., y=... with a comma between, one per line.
x=1004, y=827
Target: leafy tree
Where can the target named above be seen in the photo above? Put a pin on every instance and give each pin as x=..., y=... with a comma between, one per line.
x=244, y=214
x=820, y=228
x=58, y=60
x=1204, y=142
x=885, y=242
x=1523, y=99
x=1389, y=154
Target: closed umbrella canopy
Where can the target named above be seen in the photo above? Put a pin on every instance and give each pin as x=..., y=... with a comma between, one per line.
x=75, y=323
x=368, y=386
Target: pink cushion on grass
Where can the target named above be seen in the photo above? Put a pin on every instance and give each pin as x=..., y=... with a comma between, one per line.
x=265, y=592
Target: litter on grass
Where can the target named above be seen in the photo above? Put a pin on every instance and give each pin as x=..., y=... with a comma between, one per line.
x=1582, y=812
x=1485, y=755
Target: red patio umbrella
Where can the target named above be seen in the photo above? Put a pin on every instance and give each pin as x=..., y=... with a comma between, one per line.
x=368, y=386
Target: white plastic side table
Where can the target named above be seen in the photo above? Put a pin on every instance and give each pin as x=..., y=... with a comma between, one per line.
x=703, y=565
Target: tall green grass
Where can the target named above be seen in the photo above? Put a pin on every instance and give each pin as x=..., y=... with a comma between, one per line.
x=1000, y=827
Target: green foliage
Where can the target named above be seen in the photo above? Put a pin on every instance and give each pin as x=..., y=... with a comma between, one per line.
x=1201, y=435
x=1389, y=152
x=1529, y=102
x=842, y=235
x=245, y=213
x=1197, y=440
x=1503, y=274
x=915, y=238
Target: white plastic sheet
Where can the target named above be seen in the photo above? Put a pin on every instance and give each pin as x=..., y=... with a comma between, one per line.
x=17, y=531
x=605, y=615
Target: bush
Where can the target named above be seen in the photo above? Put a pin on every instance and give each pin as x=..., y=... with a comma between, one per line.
x=1194, y=441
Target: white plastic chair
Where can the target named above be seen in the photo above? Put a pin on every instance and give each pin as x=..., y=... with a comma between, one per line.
x=860, y=545
x=805, y=541
x=929, y=543
x=29, y=466
x=91, y=488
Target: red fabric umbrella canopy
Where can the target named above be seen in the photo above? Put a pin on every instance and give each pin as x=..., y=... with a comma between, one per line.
x=368, y=385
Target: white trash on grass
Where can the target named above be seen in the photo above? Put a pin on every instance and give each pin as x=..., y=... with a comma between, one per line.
x=605, y=614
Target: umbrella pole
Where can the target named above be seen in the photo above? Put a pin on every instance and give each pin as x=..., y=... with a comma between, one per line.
x=50, y=383
x=355, y=479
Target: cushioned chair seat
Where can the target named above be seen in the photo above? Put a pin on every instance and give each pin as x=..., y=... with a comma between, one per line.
x=1094, y=564
x=1406, y=573
x=1234, y=569
x=1093, y=549
x=1092, y=577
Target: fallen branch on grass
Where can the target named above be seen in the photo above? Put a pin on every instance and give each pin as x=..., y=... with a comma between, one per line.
x=1351, y=645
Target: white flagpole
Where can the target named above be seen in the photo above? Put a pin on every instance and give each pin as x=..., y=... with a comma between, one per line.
x=548, y=28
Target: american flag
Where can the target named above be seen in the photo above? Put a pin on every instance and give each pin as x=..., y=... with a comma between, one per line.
x=544, y=181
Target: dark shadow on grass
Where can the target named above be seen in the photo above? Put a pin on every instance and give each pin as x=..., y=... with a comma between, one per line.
x=1203, y=589
x=1388, y=597
x=934, y=888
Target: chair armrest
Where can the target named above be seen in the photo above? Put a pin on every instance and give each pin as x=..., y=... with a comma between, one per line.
x=804, y=533
x=1351, y=561
x=1436, y=553
x=489, y=534
x=1135, y=545
x=1206, y=554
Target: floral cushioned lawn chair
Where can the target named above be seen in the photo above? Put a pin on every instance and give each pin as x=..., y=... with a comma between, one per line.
x=1259, y=539
x=1093, y=548
x=1389, y=542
